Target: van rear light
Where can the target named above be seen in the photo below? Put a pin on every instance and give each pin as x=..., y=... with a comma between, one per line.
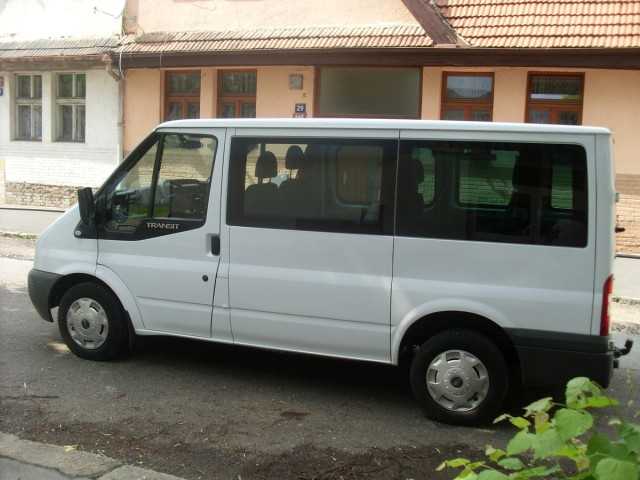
x=605, y=318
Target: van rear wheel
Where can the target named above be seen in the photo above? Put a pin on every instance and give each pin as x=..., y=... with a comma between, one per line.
x=92, y=322
x=459, y=377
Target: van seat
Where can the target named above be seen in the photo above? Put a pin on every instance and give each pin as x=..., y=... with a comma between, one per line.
x=290, y=192
x=262, y=198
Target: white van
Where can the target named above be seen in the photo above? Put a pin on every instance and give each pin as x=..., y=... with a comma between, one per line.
x=480, y=254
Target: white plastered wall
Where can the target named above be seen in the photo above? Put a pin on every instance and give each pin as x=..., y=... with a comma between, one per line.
x=50, y=162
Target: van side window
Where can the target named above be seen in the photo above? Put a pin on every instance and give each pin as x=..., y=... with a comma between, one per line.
x=129, y=202
x=562, y=186
x=486, y=181
x=336, y=185
x=170, y=180
x=184, y=177
x=358, y=173
x=496, y=192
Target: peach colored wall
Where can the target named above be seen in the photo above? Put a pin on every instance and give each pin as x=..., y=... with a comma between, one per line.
x=509, y=95
x=208, y=92
x=611, y=99
x=144, y=93
x=152, y=15
x=142, y=105
x=431, y=88
x=273, y=96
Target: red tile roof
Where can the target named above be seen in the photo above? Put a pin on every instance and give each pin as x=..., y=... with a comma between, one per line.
x=304, y=38
x=545, y=23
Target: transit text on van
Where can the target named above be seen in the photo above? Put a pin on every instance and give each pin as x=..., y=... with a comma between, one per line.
x=163, y=226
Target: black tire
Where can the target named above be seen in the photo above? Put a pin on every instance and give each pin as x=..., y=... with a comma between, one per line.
x=117, y=338
x=484, y=350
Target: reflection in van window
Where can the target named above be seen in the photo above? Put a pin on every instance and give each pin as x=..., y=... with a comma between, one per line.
x=487, y=179
x=181, y=189
x=129, y=203
x=496, y=192
x=424, y=165
x=562, y=186
x=358, y=173
x=311, y=184
x=184, y=176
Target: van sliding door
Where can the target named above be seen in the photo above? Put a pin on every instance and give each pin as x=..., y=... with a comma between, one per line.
x=311, y=223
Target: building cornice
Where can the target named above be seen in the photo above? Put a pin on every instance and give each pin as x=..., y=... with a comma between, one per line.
x=628, y=58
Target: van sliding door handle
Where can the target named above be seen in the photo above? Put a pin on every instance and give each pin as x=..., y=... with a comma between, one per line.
x=215, y=244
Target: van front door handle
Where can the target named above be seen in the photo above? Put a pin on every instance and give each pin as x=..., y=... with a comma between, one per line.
x=215, y=244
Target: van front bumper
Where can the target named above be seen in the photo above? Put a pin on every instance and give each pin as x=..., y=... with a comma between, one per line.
x=40, y=285
x=550, y=359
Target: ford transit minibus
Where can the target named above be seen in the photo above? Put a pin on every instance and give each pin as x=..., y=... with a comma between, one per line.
x=478, y=254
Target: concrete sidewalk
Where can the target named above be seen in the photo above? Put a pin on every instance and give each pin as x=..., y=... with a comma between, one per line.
x=32, y=221
x=26, y=460
x=626, y=284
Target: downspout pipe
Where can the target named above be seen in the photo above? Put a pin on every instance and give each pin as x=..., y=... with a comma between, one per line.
x=118, y=76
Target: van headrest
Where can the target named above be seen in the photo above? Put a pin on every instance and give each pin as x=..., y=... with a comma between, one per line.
x=267, y=165
x=294, y=158
x=312, y=153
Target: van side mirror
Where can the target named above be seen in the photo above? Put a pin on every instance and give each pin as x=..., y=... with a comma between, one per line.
x=87, y=206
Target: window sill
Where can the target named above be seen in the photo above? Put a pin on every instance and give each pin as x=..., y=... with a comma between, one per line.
x=27, y=140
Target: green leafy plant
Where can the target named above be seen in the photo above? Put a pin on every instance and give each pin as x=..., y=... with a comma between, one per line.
x=556, y=441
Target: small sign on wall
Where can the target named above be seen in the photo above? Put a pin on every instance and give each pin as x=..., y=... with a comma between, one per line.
x=295, y=81
x=300, y=110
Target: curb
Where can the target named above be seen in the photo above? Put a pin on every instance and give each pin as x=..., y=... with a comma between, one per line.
x=72, y=463
x=30, y=208
x=626, y=300
x=628, y=255
x=26, y=236
x=626, y=328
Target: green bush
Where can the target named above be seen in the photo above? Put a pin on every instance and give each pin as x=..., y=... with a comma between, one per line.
x=559, y=442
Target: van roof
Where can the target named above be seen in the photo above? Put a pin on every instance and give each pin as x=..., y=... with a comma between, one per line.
x=359, y=123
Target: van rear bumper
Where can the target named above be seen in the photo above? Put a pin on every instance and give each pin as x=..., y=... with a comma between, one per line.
x=550, y=359
x=40, y=285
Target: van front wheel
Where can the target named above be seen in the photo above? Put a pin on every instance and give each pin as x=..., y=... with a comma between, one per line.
x=92, y=322
x=459, y=377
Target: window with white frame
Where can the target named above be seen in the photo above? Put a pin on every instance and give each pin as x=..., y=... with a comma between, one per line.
x=70, y=107
x=28, y=98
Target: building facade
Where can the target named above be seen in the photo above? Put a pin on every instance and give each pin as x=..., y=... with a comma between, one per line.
x=59, y=101
x=508, y=61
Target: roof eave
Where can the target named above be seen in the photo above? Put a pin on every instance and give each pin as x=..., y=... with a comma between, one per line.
x=43, y=63
x=621, y=58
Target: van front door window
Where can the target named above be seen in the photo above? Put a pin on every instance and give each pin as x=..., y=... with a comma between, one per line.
x=170, y=181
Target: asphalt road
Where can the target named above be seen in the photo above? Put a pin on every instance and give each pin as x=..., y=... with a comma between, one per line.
x=203, y=410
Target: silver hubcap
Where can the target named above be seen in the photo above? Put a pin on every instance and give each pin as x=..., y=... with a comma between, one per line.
x=87, y=323
x=457, y=380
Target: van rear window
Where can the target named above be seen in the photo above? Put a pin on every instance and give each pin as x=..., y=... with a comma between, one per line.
x=495, y=192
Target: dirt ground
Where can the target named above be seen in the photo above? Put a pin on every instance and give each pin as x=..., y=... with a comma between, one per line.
x=201, y=459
